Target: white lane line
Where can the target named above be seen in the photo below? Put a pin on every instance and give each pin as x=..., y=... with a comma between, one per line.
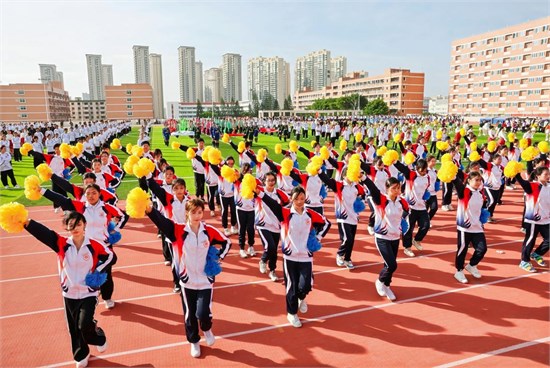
x=249, y=282
x=309, y=320
x=493, y=353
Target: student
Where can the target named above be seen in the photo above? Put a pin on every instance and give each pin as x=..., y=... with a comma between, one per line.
x=191, y=243
x=469, y=220
x=198, y=168
x=226, y=191
x=297, y=227
x=6, y=170
x=434, y=187
x=79, y=256
x=391, y=212
x=493, y=179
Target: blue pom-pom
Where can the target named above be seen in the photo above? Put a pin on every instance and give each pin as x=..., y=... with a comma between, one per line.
x=296, y=164
x=400, y=177
x=323, y=192
x=114, y=237
x=95, y=279
x=295, y=183
x=118, y=174
x=358, y=205
x=484, y=216
x=112, y=190
x=323, y=168
x=461, y=167
x=404, y=226
x=67, y=174
x=426, y=195
x=437, y=185
x=252, y=164
x=313, y=244
x=424, y=154
x=212, y=266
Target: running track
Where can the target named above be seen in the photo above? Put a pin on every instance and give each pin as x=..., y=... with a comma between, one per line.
x=500, y=320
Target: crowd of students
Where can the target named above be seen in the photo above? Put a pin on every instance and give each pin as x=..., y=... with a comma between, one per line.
x=284, y=205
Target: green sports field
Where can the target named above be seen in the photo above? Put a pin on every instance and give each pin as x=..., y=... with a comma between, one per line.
x=176, y=158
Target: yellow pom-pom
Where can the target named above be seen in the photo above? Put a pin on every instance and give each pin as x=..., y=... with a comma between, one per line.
x=176, y=145
x=410, y=158
x=248, y=186
x=390, y=157
x=278, y=148
x=137, y=150
x=439, y=134
x=353, y=172
x=293, y=146
x=313, y=143
x=492, y=146
x=113, y=146
x=129, y=164
x=358, y=137
x=13, y=217
x=442, y=145
x=241, y=147
x=116, y=143
x=381, y=151
x=147, y=165
x=512, y=169
x=543, y=147
x=324, y=152
x=511, y=137
x=523, y=143
x=225, y=138
x=261, y=155
x=139, y=171
x=137, y=202
x=25, y=148
x=343, y=145
x=318, y=161
x=447, y=172
x=190, y=153
x=474, y=156
x=76, y=151
x=530, y=153
x=312, y=169
x=214, y=156
x=446, y=157
x=206, y=152
x=229, y=174
x=473, y=146
x=129, y=148
x=133, y=159
x=354, y=157
x=462, y=132
x=286, y=166
x=32, y=187
x=398, y=137
x=44, y=172
x=65, y=150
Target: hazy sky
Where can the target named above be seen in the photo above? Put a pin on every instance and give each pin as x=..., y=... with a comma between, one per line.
x=373, y=35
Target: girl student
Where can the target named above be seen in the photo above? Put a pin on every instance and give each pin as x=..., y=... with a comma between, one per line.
x=391, y=213
x=299, y=241
x=192, y=246
x=98, y=217
x=493, y=179
x=226, y=191
x=471, y=214
x=79, y=256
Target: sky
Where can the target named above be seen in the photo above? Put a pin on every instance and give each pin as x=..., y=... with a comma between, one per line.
x=373, y=35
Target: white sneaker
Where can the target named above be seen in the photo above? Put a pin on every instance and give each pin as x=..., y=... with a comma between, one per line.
x=370, y=229
x=195, y=350
x=408, y=252
x=339, y=261
x=242, y=253
x=7, y=187
x=212, y=213
x=380, y=288
x=294, y=320
x=233, y=230
x=263, y=267
x=209, y=337
x=451, y=208
x=226, y=232
x=159, y=236
x=109, y=303
x=102, y=348
x=473, y=270
x=57, y=211
x=17, y=186
x=83, y=363
x=460, y=277
x=273, y=276
x=445, y=208
x=302, y=306
x=389, y=293
x=349, y=265
x=167, y=263
x=417, y=245
x=251, y=251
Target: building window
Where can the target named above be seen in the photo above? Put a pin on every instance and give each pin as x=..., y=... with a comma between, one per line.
x=129, y=113
x=22, y=100
x=129, y=106
x=128, y=100
x=23, y=115
x=128, y=92
x=22, y=108
x=20, y=92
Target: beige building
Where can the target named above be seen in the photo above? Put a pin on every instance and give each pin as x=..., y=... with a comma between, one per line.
x=213, y=86
x=34, y=102
x=155, y=62
x=504, y=72
x=232, y=77
x=269, y=75
x=87, y=110
x=129, y=101
x=338, y=68
x=312, y=71
x=401, y=89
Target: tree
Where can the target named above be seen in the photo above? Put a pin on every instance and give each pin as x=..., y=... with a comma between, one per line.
x=200, y=110
x=223, y=107
x=376, y=107
x=276, y=105
x=288, y=103
x=255, y=103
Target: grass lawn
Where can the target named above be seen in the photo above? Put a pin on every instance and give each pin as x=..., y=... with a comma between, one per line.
x=176, y=158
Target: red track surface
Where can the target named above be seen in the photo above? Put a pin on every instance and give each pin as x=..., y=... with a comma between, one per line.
x=435, y=321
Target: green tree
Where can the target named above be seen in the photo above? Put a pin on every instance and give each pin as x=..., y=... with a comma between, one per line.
x=376, y=107
x=276, y=105
x=287, y=105
x=255, y=104
x=200, y=110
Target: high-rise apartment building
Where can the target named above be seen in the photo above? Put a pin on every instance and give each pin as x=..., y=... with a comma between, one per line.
x=155, y=62
x=338, y=68
x=142, y=71
x=186, y=61
x=49, y=73
x=213, y=86
x=503, y=72
x=269, y=75
x=198, y=81
x=232, y=77
x=107, y=71
x=95, y=77
x=401, y=89
x=312, y=71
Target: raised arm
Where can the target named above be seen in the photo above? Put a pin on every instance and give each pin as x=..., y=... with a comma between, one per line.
x=43, y=234
x=402, y=168
x=163, y=224
x=329, y=182
x=65, y=203
x=273, y=205
x=373, y=190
